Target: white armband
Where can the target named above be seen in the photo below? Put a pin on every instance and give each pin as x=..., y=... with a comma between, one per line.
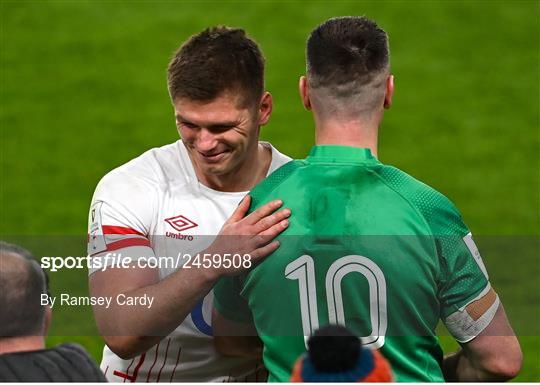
x=470, y=320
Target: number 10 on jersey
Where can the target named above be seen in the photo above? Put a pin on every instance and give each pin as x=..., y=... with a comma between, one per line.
x=303, y=270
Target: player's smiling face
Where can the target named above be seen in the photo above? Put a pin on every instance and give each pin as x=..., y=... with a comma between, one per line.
x=221, y=136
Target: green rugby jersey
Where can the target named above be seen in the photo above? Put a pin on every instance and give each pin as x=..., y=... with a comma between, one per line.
x=368, y=246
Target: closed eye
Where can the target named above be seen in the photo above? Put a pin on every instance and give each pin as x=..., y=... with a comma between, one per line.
x=189, y=125
x=221, y=127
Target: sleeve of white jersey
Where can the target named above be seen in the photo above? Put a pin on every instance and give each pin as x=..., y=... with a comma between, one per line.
x=119, y=221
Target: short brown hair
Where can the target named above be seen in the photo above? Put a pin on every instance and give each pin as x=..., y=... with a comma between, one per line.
x=345, y=49
x=217, y=60
x=348, y=64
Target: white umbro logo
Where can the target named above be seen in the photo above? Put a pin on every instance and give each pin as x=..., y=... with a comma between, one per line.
x=180, y=223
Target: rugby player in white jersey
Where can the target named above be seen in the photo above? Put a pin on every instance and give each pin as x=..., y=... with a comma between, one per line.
x=174, y=200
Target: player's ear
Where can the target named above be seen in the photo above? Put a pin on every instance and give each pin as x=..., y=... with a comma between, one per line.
x=389, y=92
x=265, y=108
x=304, y=92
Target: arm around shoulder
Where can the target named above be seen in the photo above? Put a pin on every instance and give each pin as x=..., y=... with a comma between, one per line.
x=120, y=223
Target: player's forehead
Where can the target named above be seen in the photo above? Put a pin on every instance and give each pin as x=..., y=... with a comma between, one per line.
x=224, y=108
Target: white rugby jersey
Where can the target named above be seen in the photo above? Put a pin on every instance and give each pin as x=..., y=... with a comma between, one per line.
x=155, y=206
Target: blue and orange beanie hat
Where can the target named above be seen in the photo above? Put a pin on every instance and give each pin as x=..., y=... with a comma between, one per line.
x=336, y=355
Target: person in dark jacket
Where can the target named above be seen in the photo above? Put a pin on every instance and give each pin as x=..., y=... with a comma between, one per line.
x=24, y=322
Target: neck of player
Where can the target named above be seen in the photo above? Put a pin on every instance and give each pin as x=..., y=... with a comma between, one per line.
x=244, y=177
x=361, y=133
x=21, y=344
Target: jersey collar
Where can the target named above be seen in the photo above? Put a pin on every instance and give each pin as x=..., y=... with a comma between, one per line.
x=340, y=154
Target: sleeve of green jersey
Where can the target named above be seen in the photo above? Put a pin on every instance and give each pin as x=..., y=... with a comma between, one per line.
x=463, y=274
x=229, y=302
x=464, y=282
x=461, y=277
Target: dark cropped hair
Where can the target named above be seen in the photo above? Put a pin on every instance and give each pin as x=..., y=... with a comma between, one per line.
x=217, y=60
x=22, y=282
x=345, y=50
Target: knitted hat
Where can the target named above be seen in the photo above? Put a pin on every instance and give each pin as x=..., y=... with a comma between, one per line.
x=336, y=355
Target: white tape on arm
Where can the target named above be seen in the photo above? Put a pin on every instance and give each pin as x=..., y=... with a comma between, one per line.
x=470, y=320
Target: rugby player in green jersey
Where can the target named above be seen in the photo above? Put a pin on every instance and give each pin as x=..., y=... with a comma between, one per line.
x=368, y=246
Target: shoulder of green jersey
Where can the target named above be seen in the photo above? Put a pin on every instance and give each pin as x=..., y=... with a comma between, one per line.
x=263, y=189
x=439, y=212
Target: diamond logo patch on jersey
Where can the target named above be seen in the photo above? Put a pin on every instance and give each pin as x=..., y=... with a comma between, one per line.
x=96, y=239
x=181, y=223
